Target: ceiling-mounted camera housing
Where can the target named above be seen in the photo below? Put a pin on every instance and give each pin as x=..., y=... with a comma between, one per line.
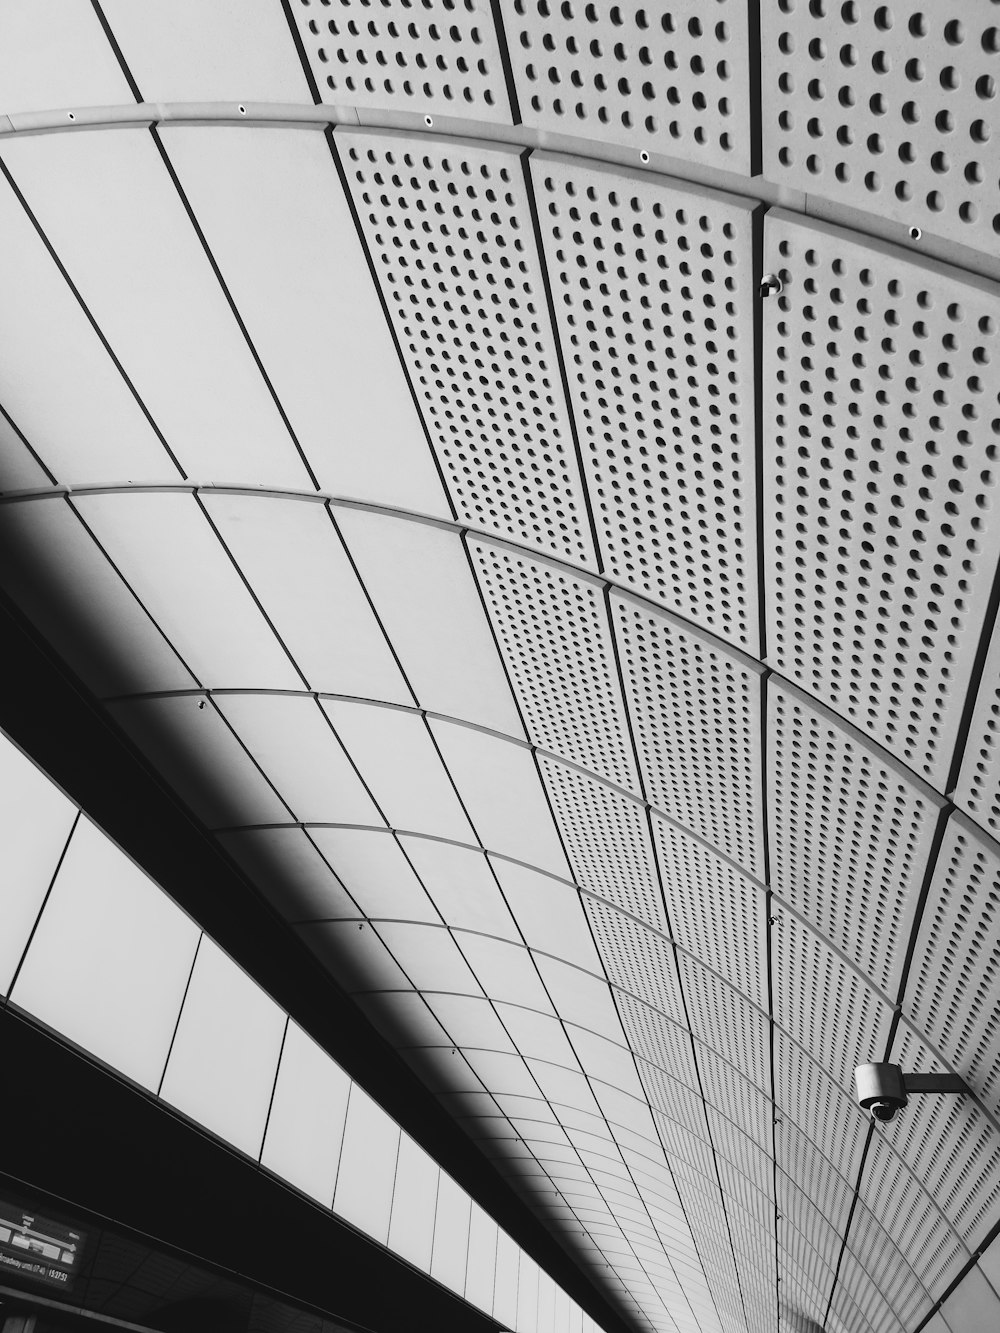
x=881, y=1090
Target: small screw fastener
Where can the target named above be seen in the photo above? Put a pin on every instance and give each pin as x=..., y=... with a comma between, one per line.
x=774, y=920
x=915, y=233
x=770, y=285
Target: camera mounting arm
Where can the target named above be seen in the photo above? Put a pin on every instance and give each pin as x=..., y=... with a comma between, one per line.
x=883, y=1089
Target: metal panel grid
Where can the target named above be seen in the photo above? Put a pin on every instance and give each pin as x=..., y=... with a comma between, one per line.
x=824, y=1004
x=607, y=841
x=636, y=959
x=672, y=1098
x=715, y=912
x=804, y=1228
x=868, y=1242
x=441, y=57
x=855, y=1288
x=724, y=1020
x=850, y=835
x=819, y=1108
x=696, y=717
x=804, y=1291
x=890, y=111
x=879, y=455
x=977, y=791
x=950, y=1146
x=553, y=631
x=745, y=1119
x=892, y=1199
x=955, y=974
x=449, y=225
x=661, y=383
x=656, y=1038
x=673, y=82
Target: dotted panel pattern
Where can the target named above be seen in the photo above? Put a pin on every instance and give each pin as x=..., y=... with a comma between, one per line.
x=850, y=836
x=887, y=1267
x=804, y=1290
x=686, y=1146
x=668, y=81
x=636, y=959
x=881, y=435
x=741, y=1157
x=607, y=841
x=954, y=978
x=890, y=1197
x=726, y=1089
x=821, y=1185
x=449, y=227
x=674, y=1100
x=977, y=791
x=804, y=1230
x=715, y=912
x=442, y=56
x=696, y=717
x=656, y=1039
x=856, y=1290
x=554, y=635
x=652, y=289
x=951, y=1148
x=823, y=1111
x=725, y=1021
x=887, y=108
x=823, y=1003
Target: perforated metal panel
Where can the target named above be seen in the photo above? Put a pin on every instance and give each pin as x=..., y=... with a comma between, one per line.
x=822, y=1110
x=950, y=1146
x=441, y=56
x=887, y=108
x=805, y=1231
x=714, y=912
x=660, y=380
x=607, y=841
x=673, y=82
x=955, y=975
x=449, y=227
x=977, y=791
x=657, y=1039
x=695, y=712
x=744, y=1105
x=850, y=835
x=895, y=1204
x=880, y=454
x=721, y=1018
x=823, y=1003
x=856, y=1290
x=553, y=632
x=887, y=1267
x=636, y=959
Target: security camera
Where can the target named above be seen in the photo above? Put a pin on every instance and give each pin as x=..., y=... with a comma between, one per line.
x=882, y=1089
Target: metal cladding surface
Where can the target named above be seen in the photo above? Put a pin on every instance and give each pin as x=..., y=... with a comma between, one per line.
x=586, y=646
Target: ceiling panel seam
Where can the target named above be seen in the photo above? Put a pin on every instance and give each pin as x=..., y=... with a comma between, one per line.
x=5, y=998
x=6, y=416
x=180, y=1010
x=88, y=314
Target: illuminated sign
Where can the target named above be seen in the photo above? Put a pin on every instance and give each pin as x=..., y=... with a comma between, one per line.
x=37, y=1248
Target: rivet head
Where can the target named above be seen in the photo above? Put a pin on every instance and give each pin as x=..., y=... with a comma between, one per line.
x=770, y=285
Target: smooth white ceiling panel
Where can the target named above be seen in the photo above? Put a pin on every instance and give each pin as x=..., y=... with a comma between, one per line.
x=696, y=716
x=607, y=839
x=953, y=990
x=666, y=426
x=414, y=1202
x=19, y=468
x=877, y=612
x=472, y=1024
x=430, y=956
x=208, y=50
x=285, y=864
x=552, y=628
x=109, y=960
x=305, y=1125
x=194, y=750
x=398, y=761
x=418, y=577
x=505, y=971
x=462, y=886
x=503, y=795
x=108, y=206
x=850, y=834
x=581, y=998
x=355, y=956
x=403, y=1018
x=549, y=913
x=36, y=821
x=290, y=738
x=62, y=580
x=714, y=912
x=376, y=872
x=367, y=1166
x=224, y=1056
x=312, y=310
x=166, y=550
x=56, y=56
x=291, y=556
x=57, y=380
x=489, y=387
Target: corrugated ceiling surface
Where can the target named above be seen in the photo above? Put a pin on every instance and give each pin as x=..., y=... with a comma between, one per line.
x=588, y=653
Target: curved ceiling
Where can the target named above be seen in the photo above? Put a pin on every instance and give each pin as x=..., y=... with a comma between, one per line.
x=524, y=474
